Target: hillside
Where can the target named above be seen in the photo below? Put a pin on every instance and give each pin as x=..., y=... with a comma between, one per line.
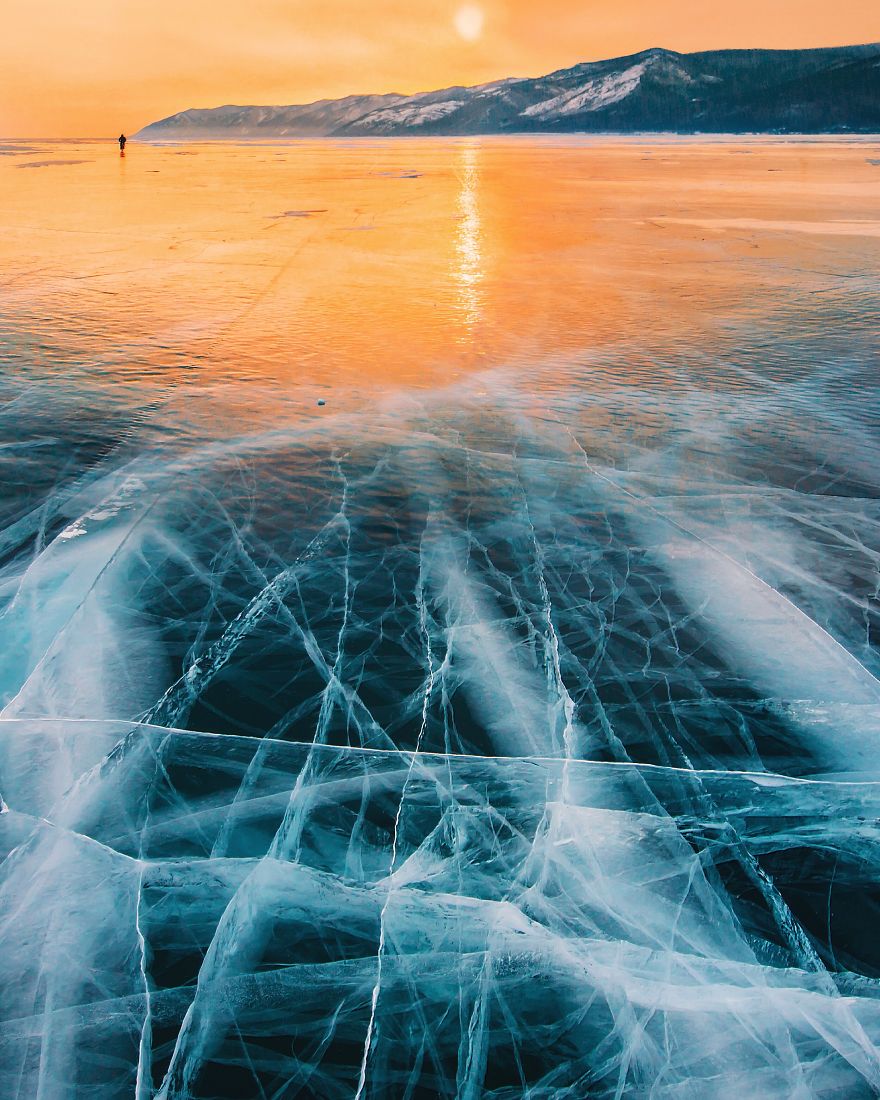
x=735, y=91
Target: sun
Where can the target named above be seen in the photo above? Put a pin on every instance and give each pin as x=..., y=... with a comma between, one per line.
x=469, y=21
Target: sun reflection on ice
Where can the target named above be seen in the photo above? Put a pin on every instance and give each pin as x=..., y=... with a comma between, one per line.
x=468, y=271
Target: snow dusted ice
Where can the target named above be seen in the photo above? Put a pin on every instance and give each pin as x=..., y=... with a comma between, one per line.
x=508, y=734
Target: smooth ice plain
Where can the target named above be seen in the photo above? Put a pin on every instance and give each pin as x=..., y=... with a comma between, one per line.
x=506, y=726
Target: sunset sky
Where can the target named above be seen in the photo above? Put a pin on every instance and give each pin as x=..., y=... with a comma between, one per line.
x=98, y=66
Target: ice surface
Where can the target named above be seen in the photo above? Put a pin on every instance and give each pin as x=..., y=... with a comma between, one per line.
x=515, y=736
x=483, y=775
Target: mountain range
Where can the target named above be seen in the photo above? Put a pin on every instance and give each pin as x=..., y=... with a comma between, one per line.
x=720, y=91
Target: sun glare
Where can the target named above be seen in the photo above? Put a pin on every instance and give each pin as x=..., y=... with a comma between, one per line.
x=469, y=21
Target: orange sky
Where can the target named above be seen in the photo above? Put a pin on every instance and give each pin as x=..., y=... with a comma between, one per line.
x=92, y=67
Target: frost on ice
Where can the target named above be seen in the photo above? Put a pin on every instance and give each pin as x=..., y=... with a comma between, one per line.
x=446, y=753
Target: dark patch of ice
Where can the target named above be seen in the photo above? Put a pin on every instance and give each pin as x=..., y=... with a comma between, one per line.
x=297, y=214
x=52, y=163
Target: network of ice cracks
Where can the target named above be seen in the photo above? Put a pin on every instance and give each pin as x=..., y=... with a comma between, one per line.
x=455, y=750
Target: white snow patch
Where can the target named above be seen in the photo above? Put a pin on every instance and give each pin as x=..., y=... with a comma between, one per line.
x=412, y=115
x=592, y=96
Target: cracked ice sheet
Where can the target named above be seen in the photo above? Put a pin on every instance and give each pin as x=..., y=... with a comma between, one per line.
x=564, y=906
x=414, y=761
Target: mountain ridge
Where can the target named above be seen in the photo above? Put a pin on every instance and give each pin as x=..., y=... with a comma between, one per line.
x=833, y=89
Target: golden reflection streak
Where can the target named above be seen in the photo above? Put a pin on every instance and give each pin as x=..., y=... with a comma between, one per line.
x=468, y=272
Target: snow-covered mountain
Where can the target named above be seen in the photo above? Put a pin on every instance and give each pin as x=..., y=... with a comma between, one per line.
x=656, y=90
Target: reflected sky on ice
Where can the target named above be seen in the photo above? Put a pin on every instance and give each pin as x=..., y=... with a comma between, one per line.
x=506, y=726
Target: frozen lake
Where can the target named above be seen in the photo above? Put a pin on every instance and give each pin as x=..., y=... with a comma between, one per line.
x=439, y=620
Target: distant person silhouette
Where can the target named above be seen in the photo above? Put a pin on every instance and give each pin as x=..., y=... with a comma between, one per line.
x=122, y=140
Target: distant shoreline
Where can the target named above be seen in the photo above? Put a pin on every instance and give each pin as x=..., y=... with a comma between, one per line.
x=13, y=146
x=623, y=137
x=10, y=146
